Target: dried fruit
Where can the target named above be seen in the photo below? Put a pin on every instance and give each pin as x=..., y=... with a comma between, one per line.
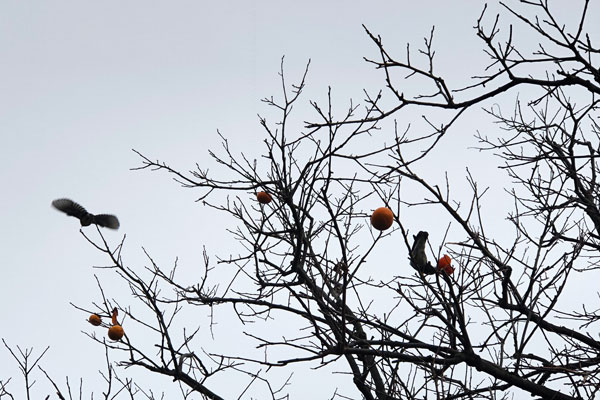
x=263, y=197
x=95, y=319
x=115, y=312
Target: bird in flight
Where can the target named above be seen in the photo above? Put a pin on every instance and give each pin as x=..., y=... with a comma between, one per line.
x=73, y=209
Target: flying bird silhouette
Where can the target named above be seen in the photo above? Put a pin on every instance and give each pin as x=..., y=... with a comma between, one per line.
x=73, y=209
x=418, y=258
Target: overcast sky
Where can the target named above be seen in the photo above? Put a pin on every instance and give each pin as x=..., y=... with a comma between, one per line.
x=82, y=83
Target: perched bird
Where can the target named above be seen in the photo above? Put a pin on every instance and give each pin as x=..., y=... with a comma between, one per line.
x=73, y=209
x=418, y=258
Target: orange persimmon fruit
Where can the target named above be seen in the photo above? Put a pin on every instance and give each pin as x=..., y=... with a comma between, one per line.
x=444, y=264
x=95, y=319
x=382, y=218
x=263, y=197
x=448, y=269
x=116, y=332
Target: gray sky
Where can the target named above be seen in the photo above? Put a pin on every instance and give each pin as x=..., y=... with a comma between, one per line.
x=82, y=83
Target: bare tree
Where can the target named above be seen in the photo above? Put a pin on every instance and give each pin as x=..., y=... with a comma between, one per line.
x=29, y=366
x=495, y=328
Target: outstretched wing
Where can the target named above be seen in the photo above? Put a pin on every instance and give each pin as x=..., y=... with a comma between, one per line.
x=69, y=207
x=106, y=221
